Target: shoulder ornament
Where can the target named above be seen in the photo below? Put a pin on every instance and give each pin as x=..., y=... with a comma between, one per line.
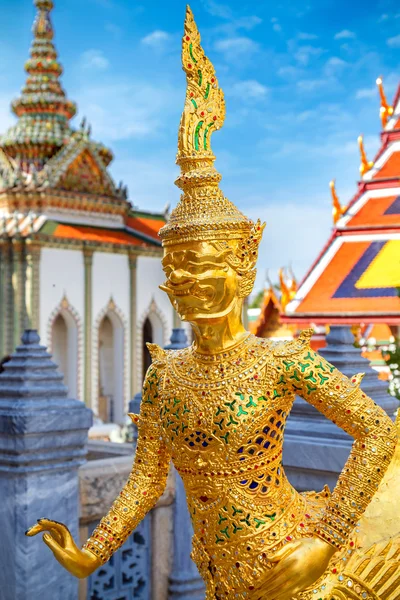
x=157, y=353
x=286, y=348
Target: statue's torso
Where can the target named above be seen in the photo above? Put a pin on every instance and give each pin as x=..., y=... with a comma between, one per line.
x=223, y=419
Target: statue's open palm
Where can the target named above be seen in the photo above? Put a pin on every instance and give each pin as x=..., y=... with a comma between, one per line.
x=297, y=566
x=58, y=538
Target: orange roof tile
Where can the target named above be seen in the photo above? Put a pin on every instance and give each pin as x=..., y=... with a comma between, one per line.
x=377, y=211
x=391, y=168
x=146, y=225
x=339, y=274
x=97, y=234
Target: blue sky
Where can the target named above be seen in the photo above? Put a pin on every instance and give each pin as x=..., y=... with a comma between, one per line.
x=299, y=79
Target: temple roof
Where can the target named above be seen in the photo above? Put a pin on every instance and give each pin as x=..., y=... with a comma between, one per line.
x=356, y=277
x=36, y=152
x=39, y=227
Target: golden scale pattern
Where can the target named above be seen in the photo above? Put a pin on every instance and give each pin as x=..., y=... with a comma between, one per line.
x=221, y=418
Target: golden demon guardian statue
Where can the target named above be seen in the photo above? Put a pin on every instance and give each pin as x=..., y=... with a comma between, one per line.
x=218, y=410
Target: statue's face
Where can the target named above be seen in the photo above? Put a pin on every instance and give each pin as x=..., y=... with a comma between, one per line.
x=199, y=281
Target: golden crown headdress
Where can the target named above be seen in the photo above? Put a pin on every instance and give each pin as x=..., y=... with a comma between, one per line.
x=203, y=212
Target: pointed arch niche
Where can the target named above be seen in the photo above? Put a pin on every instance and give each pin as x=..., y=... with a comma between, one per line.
x=65, y=342
x=110, y=389
x=152, y=327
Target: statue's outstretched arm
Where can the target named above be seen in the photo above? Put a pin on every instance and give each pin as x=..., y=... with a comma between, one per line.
x=147, y=480
x=345, y=404
x=145, y=485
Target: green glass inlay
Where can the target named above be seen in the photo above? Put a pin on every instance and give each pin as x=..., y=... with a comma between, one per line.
x=320, y=366
x=221, y=519
x=205, y=135
x=185, y=409
x=246, y=520
x=225, y=531
x=232, y=421
x=219, y=423
x=258, y=522
x=295, y=375
x=231, y=404
x=176, y=401
x=272, y=517
x=219, y=411
x=241, y=411
x=218, y=540
x=309, y=356
x=191, y=53
x=236, y=511
x=241, y=396
x=304, y=366
x=310, y=377
x=200, y=77
x=288, y=364
x=251, y=402
x=276, y=395
x=225, y=437
x=281, y=379
x=322, y=378
x=196, y=134
x=311, y=389
x=194, y=103
x=207, y=91
x=236, y=528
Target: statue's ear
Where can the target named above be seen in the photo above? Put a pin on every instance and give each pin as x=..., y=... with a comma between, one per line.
x=246, y=283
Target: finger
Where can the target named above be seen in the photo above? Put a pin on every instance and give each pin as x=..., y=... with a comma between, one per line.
x=283, y=552
x=60, y=531
x=54, y=546
x=34, y=530
x=278, y=585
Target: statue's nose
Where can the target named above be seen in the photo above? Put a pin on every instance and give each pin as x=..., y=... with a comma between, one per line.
x=180, y=276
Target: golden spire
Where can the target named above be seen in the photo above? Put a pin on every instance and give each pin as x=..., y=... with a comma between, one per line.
x=386, y=110
x=337, y=209
x=366, y=165
x=203, y=212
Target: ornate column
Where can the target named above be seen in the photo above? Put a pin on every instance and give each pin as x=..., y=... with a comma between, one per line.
x=315, y=449
x=32, y=285
x=43, y=437
x=133, y=321
x=88, y=287
x=8, y=298
x=17, y=279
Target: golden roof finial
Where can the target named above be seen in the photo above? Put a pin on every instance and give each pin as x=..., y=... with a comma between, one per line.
x=386, y=110
x=288, y=291
x=203, y=212
x=366, y=165
x=337, y=209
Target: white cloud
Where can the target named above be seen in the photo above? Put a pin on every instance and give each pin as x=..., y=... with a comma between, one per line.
x=307, y=36
x=125, y=109
x=156, y=39
x=366, y=93
x=311, y=85
x=94, y=59
x=249, y=89
x=345, y=34
x=394, y=42
x=304, y=54
x=237, y=46
x=383, y=17
x=276, y=27
x=113, y=28
x=289, y=72
x=334, y=64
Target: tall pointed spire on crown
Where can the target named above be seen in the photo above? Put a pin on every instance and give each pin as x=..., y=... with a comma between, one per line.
x=203, y=212
x=43, y=110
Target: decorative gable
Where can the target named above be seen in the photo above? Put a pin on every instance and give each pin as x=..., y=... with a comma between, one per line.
x=84, y=174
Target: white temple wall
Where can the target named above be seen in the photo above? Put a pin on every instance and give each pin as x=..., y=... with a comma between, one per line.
x=149, y=276
x=61, y=292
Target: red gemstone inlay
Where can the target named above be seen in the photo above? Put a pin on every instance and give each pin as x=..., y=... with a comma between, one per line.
x=203, y=498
